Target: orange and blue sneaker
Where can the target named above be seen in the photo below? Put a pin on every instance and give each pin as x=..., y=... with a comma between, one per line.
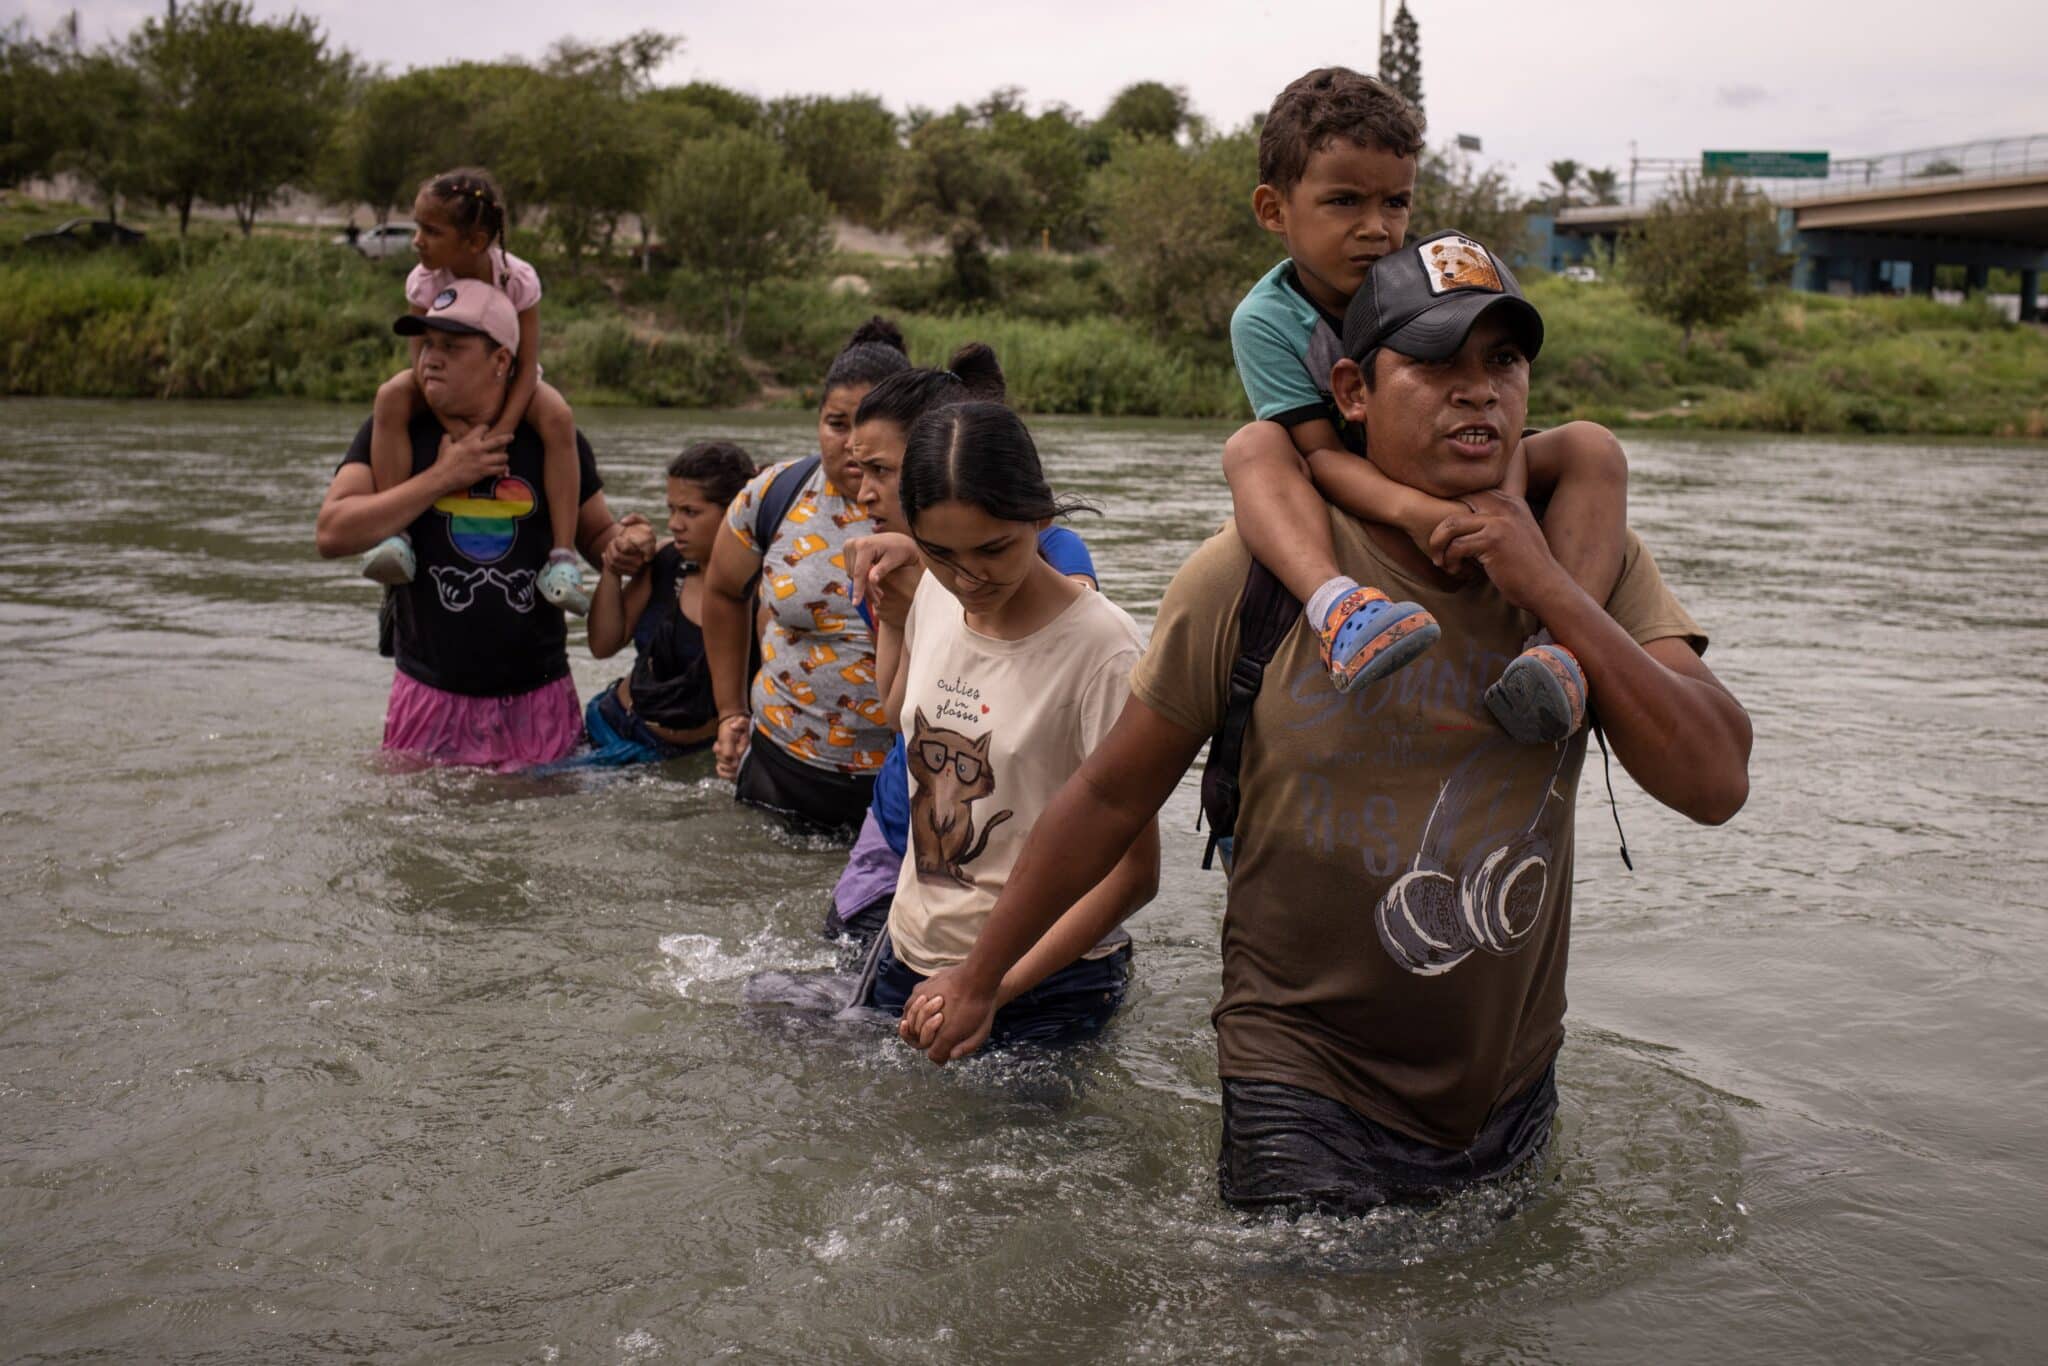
x=1368, y=635
x=1540, y=697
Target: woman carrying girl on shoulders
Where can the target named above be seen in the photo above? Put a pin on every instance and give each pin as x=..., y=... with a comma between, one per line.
x=1004, y=676
x=459, y=234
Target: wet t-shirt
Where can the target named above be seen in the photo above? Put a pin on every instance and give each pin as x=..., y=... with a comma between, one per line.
x=1400, y=900
x=992, y=729
x=814, y=696
x=471, y=621
x=671, y=680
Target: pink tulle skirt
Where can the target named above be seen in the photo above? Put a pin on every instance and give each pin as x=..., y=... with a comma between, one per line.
x=504, y=733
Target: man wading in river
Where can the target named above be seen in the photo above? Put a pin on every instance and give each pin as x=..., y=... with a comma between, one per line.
x=1400, y=891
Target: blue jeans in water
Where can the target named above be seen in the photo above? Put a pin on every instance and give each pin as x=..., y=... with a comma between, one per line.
x=1293, y=1150
x=1073, y=1004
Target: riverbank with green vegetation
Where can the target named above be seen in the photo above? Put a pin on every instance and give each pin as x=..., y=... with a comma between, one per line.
x=287, y=313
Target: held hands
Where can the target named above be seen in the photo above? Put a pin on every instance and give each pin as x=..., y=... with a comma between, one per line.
x=631, y=549
x=872, y=560
x=735, y=733
x=1497, y=532
x=947, y=1016
x=471, y=458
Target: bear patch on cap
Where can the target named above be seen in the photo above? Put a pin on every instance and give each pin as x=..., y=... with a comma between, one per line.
x=1450, y=263
x=443, y=299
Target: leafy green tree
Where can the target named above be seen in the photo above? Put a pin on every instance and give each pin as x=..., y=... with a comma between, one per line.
x=846, y=147
x=484, y=120
x=393, y=134
x=1401, y=56
x=590, y=152
x=1053, y=148
x=237, y=108
x=1601, y=183
x=955, y=183
x=1149, y=109
x=1451, y=191
x=29, y=137
x=673, y=118
x=720, y=105
x=1564, y=174
x=732, y=208
x=100, y=120
x=1183, y=245
x=1698, y=259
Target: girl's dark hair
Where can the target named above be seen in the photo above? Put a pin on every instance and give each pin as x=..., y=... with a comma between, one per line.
x=472, y=200
x=874, y=352
x=978, y=453
x=904, y=397
x=720, y=468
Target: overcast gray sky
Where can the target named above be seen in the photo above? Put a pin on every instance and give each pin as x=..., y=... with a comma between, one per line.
x=1536, y=81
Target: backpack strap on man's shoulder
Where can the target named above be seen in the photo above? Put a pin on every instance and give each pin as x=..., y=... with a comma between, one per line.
x=1266, y=613
x=780, y=497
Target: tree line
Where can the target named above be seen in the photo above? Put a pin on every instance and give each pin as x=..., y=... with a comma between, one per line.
x=208, y=104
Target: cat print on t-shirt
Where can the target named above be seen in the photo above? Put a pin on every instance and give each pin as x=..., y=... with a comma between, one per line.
x=949, y=773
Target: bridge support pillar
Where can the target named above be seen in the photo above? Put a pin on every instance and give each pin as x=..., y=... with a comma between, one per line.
x=1863, y=275
x=1976, y=278
x=1923, y=276
x=2030, y=296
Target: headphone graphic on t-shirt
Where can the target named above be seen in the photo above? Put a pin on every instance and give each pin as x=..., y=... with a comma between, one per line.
x=1430, y=922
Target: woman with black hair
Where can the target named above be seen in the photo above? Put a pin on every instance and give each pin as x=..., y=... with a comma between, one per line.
x=805, y=736
x=1004, y=676
x=860, y=900
x=665, y=708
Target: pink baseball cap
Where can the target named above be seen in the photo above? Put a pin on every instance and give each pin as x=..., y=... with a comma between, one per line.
x=467, y=306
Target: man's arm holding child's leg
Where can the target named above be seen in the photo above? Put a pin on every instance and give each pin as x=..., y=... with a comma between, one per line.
x=1677, y=730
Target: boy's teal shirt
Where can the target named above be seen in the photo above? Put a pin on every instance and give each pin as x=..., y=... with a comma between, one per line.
x=1285, y=347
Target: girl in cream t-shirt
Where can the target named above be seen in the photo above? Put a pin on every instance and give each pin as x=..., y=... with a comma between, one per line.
x=1006, y=675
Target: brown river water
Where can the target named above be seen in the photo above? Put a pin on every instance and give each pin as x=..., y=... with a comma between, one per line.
x=304, y=1059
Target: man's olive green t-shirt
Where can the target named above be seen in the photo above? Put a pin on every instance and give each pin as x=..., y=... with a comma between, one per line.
x=1400, y=897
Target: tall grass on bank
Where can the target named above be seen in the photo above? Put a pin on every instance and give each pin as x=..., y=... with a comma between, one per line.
x=1097, y=364
x=1800, y=363
x=292, y=316
x=277, y=318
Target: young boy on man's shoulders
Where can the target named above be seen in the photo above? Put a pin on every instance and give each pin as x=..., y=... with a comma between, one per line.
x=1337, y=166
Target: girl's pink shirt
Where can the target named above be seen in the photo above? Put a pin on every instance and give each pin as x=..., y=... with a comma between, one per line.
x=518, y=279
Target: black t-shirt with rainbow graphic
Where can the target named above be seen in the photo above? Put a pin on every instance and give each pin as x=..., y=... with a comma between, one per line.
x=471, y=621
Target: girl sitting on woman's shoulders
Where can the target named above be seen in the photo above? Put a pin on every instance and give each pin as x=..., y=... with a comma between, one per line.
x=665, y=707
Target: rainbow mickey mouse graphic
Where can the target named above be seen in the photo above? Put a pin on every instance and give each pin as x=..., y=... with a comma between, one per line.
x=484, y=528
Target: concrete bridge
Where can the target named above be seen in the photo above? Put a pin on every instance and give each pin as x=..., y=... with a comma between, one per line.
x=1879, y=223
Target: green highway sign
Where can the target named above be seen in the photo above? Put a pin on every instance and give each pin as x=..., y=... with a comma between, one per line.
x=1766, y=165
